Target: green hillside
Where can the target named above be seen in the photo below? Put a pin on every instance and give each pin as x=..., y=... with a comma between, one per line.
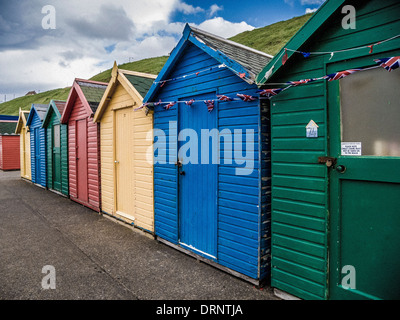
x=269, y=39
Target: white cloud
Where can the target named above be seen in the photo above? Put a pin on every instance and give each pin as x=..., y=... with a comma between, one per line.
x=187, y=8
x=35, y=59
x=214, y=9
x=309, y=10
x=310, y=2
x=224, y=28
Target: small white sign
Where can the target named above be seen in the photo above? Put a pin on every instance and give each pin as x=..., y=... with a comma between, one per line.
x=312, y=130
x=351, y=148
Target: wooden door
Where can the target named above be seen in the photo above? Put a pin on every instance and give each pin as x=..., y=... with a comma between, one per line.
x=56, y=137
x=364, y=185
x=82, y=160
x=123, y=162
x=38, y=167
x=197, y=181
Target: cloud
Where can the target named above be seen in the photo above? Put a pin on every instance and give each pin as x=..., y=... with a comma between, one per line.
x=187, y=8
x=90, y=35
x=308, y=10
x=214, y=9
x=224, y=28
x=109, y=23
x=310, y=2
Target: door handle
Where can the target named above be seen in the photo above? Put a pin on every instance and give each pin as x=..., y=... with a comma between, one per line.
x=340, y=168
x=182, y=173
x=329, y=161
x=116, y=161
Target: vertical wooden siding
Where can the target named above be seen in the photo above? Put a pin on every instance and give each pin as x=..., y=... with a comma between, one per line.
x=37, y=123
x=64, y=153
x=299, y=184
x=142, y=171
x=93, y=144
x=25, y=153
x=239, y=197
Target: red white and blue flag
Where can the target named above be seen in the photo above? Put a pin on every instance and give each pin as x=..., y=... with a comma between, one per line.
x=209, y=104
x=170, y=105
x=389, y=63
x=190, y=102
x=268, y=93
x=158, y=103
x=142, y=106
x=340, y=74
x=223, y=98
x=296, y=83
x=246, y=97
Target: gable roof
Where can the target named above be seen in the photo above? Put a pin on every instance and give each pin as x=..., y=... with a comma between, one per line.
x=40, y=110
x=137, y=84
x=89, y=92
x=238, y=58
x=55, y=106
x=7, y=127
x=23, y=115
x=328, y=8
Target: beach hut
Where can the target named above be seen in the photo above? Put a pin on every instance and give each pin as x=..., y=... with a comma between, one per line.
x=211, y=152
x=336, y=154
x=57, y=148
x=9, y=143
x=126, y=174
x=9, y=152
x=38, y=143
x=25, y=145
x=84, y=142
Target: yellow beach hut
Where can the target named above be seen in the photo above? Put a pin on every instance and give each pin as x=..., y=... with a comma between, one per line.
x=126, y=174
x=25, y=145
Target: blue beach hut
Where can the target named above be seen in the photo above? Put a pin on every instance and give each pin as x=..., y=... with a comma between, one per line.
x=211, y=154
x=38, y=143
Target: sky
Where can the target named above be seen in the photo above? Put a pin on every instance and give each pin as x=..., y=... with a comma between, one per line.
x=46, y=44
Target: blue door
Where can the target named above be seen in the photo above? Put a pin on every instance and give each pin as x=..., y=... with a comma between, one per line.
x=197, y=178
x=37, y=156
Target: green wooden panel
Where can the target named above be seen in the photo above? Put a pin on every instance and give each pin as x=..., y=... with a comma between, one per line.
x=298, y=257
x=299, y=117
x=309, y=209
x=299, y=245
x=304, y=169
x=300, y=220
x=295, y=131
x=300, y=270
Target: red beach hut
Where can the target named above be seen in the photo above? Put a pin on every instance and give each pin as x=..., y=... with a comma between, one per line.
x=9, y=152
x=84, y=142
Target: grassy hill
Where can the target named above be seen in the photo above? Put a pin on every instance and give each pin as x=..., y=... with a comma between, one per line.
x=269, y=39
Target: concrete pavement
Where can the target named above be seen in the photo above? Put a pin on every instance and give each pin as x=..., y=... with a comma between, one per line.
x=94, y=257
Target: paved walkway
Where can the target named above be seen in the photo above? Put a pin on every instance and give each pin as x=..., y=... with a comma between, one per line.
x=95, y=257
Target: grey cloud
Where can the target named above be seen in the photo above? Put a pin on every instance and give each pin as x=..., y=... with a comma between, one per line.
x=110, y=23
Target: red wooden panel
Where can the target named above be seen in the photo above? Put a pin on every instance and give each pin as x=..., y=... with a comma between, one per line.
x=10, y=153
x=82, y=160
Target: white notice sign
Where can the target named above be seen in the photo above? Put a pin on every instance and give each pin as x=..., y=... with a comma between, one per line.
x=312, y=130
x=351, y=148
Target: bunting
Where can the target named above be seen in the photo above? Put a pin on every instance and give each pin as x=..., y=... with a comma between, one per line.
x=389, y=63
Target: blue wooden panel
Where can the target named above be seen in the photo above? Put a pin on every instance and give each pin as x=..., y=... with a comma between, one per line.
x=38, y=151
x=238, y=237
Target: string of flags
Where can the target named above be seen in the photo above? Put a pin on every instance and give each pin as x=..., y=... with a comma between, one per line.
x=308, y=54
x=389, y=64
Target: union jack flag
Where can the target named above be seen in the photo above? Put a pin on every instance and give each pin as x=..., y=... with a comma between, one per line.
x=340, y=74
x=223, y=98
x=389, y=63
x=246, y=97
x=209, y=104
x=142, y=106
x=190, y=102
x=269, y=92
x=170, y=105
x=157, y=103
x=296, y=83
